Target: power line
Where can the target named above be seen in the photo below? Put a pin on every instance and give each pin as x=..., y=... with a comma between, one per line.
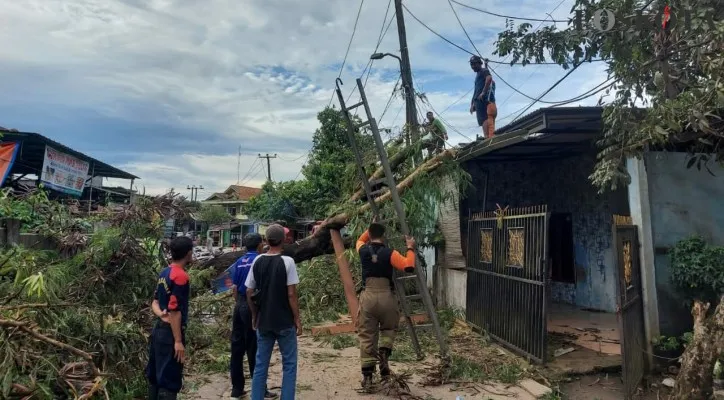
x=463, y=26
x=549, y=89
x=536, y=68
x=468, y=51
x=458, y=100
x=349, y=45
x=504, y=16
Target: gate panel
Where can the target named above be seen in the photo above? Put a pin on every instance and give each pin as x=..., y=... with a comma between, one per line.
x=630, y=308
x=507, y=277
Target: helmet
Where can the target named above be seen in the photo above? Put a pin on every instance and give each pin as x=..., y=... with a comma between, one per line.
x=476, y=60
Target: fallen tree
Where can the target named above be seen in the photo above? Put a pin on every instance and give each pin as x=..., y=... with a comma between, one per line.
x=320, y=242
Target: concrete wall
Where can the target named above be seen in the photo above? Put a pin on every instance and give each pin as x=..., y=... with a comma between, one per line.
x=564, y=186
x=684, y=202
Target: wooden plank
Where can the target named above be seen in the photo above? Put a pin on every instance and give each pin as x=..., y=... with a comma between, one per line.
x=349, y=327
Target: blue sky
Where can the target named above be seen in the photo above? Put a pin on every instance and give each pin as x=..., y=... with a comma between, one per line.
x=169, y=89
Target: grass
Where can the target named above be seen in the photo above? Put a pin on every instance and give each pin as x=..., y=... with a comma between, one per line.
x=339, y=342
x=466, y=370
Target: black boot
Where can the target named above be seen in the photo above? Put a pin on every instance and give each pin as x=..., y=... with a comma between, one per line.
x=385, y=362
x=367, y=383
x=152, y=392
x=164, y=394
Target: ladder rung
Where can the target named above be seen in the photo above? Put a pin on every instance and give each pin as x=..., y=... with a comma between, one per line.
x=362, y=124
x=377, y=193
x=378, y=181
x=422, y=326
x=414, y=297
x=353, y=106
x=406, y=277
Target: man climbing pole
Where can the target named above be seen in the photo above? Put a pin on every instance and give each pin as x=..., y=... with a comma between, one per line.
x=483, y=102
x=379, y=315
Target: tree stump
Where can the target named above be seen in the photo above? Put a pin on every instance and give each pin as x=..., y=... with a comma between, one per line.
x=696, y=375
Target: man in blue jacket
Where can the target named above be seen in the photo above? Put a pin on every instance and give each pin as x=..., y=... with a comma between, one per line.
x=243, y=336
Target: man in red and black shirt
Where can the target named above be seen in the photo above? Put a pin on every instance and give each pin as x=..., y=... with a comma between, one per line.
x=171, y=305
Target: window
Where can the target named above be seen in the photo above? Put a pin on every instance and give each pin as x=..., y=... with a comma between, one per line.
x=231, y=211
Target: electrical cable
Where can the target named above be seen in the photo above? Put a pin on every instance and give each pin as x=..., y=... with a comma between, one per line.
x=457, y=101
x=389, y=101
x=349, y=45
x=249, y=170
x=468, y=51
x=504, y=16
x=548, y=91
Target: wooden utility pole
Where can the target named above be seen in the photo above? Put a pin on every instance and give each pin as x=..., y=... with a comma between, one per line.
x=406, y=74
x=268, y=164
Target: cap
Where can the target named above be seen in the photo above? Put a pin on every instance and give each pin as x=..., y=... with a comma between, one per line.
x=275, y=233
x=476, y=60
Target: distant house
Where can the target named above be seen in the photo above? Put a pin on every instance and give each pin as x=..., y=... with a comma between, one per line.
x=233, y=200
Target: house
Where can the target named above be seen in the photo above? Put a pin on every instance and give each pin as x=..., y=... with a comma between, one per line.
x=233, y=200
x=533, y=249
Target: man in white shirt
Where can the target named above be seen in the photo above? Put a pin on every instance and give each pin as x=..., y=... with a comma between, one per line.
x=272, y=296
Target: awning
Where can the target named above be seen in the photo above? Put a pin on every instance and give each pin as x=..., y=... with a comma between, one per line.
x=548, y=133
x=32, y=154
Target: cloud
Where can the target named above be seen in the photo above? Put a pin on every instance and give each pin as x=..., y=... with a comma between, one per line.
x=169, y=89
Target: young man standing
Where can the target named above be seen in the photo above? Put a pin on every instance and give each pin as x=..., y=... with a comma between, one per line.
x=171, y=304
x=379, y=315
x=272, y=296
x=483, y=102
x=243, y=337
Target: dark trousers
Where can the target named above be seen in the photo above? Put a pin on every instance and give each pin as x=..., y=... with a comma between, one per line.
x=163, y=371
x=243, y=341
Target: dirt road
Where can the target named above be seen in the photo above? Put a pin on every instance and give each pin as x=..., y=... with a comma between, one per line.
x=326, y=373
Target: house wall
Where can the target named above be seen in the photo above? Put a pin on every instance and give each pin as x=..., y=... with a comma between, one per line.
x=563, y=186
x=684, y=202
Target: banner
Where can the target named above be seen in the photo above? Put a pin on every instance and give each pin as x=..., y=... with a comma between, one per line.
x=63, y=172
x=223, y=282
x=8, y=152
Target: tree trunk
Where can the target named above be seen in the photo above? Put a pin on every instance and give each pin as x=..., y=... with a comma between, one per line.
x=695, y=378
x=320, y=243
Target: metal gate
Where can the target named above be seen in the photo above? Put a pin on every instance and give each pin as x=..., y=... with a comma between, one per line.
x=507, y=277
x=630, y=305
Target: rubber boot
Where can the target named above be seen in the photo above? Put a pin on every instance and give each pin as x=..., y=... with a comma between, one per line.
x=164, y=394
x=367, y=382
x=152, y=392
x=385, y=362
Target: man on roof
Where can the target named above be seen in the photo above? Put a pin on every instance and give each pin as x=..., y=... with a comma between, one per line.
x=483, y=102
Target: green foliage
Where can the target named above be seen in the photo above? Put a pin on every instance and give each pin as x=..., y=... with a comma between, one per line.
x=678, y=76
x=282, y=201
x=330, y=169
x=321, y=294
x=214, y=214
x=100, y=293
x=697, y=270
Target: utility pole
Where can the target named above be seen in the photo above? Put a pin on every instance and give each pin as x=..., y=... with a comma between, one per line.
x=406, y=74
x=268, y=164
x=194, y=197
x=238, y=167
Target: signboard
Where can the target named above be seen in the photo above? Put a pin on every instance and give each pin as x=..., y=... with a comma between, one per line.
x=63, y=172
x=168, y=228
x=223, y=282
x=8, y=152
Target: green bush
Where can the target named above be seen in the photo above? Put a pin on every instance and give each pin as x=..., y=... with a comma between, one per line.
x=697, y=270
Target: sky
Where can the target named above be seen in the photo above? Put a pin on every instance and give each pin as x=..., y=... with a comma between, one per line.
x=173, y=90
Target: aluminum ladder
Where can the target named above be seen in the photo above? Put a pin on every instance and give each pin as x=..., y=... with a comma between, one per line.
x=400, y=278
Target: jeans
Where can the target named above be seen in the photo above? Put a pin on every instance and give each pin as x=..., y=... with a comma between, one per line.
x=287, y=339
